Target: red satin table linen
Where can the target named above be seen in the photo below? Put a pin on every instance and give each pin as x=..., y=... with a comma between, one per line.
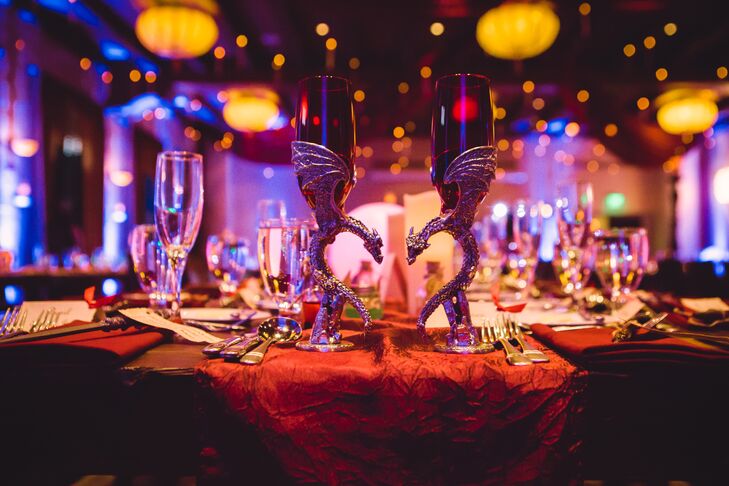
x=390, y=412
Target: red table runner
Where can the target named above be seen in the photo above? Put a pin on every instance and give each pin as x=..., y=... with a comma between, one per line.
x=391, y=412
x=88, y=348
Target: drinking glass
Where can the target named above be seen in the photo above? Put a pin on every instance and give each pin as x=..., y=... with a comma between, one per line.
x=462, y=119
x=226, y=255
x=178, y=204
x=573, y=266
x=283, y=258
x=492, y=241
x=574, y=254
x=270, y=209
x=574, y=213
x=150, y=263
x=522, y=248
x=621, y=258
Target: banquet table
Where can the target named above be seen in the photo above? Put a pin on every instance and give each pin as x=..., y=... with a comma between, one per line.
x=391, y=412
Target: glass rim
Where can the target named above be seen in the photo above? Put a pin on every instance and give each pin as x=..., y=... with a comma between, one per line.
x=476, y=79
x=183, y=155
x=618, y=230
x=344, y=86
x=285, y=222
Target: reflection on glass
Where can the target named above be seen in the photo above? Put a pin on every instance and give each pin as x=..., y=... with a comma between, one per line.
x=150, y=263
x=573, y=266
x=283, y=258
x=226, y=255
x=621, y=258
x=522, y=247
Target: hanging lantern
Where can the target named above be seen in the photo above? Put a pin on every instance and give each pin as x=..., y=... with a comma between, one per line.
x=251, y=109
x=24, y=147
x=517, y=30
x=178, y=29
x=684, y=111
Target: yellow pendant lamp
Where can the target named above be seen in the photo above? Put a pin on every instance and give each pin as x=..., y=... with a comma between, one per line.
x=682, y=111
x=178, y=29
x=517, y=30
x=251, y=109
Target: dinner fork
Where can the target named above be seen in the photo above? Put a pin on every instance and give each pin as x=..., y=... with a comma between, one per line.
x=13, y=320
x=515, y=333
x=45, y=320
x=494, y=333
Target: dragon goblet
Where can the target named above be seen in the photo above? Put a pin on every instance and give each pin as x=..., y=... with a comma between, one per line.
x=323, y=156
x=464, y=163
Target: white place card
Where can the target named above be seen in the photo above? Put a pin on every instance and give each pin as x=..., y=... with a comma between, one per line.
x=150, y=318
x=69, y=310
x=704, y=305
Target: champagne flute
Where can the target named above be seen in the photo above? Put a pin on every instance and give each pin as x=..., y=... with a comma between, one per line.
x=463, y=118
x=226, y=255
x=283, y=258
x=621, y=258
x=150, y=263
x=178, y=203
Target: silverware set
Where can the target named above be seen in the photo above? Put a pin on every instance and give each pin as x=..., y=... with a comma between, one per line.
x=505, y=332
x=13, y=321
x=250, y=349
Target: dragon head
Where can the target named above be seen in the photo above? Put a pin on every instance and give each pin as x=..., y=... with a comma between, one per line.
x=416, y=245
x=374, y=246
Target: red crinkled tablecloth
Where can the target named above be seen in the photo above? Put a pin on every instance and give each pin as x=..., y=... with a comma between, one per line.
x=391, y=412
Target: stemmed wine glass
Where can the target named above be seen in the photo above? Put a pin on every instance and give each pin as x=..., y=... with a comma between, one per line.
x=178, y=203
x=150, y=263
x=522, y=247
x=621, y=258
x=227, y=255
x=573, y=254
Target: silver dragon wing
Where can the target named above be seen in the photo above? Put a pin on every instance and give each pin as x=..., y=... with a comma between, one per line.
x=318, y=166
x=473, y=170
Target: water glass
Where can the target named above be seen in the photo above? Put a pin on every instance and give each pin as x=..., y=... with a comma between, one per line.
x=573, y=266
x=621, y=258
x=522, y=247
x=268, y=209
x=178, y=204
x=226, y=256
x=283, y=246
x=150, y=263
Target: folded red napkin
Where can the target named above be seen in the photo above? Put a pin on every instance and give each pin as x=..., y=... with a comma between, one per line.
x=88, y=348
x=594, y=348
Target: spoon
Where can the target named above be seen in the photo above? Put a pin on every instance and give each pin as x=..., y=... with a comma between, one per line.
x=275, y=329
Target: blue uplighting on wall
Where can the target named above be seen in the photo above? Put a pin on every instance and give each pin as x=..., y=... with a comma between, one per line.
x=32, y=70
x=556, y=126
x=180, y=101
x=27, y=17
x=137, y=106
x=145, y=66
x=113, y=51
x=521, y=126
x=110, y=286
x=60, y=6
x=13, y=295
x=84, y=14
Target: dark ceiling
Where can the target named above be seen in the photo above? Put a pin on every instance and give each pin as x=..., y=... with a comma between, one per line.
x=392, y=41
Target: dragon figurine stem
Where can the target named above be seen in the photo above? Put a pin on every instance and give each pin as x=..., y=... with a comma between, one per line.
x=472, y=171
x=320, y=172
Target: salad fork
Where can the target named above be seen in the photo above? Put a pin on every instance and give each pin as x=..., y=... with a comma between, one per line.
x=515, y=333
x=495, y=333
x=13, y=320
